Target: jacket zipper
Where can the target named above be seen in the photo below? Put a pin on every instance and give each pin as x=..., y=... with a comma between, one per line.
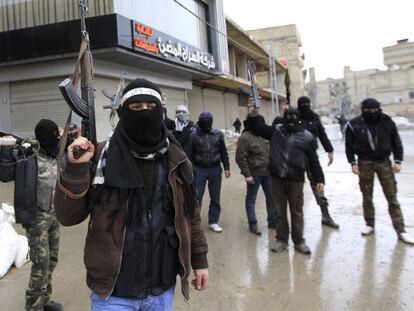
x=208, y=147
x=175, y=225
x=120, y=258
x=291, y=137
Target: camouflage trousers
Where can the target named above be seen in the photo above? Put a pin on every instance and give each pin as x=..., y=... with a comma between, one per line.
x=43, y=239
x=367, y=171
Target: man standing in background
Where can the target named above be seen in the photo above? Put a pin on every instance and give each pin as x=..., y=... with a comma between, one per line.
x=252, y=157
x=43, y=235
x=207, y=152
x=312, y=123
x=373, y=136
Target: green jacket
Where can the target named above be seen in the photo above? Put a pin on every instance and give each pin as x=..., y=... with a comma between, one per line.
x=46, y=181
x=252, y=155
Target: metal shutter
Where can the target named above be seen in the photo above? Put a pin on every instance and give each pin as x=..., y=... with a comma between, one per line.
x=34, y=100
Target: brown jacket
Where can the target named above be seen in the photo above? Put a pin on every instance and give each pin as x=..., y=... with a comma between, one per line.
x=104, y=242
x=252, y=155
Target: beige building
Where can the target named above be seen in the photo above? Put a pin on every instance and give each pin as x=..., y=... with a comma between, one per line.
x=221, y=95
x=284, y=43
x=393, y=87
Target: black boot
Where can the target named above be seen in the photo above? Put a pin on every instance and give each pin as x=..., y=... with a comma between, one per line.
x=53, y=306
x=327, y=219
x=253, y=229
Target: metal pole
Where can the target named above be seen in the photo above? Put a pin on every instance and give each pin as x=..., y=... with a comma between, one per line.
x=275, y=87
x=271, y=84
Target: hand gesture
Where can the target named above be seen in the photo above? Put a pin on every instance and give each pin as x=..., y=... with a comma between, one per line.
x=83, y=144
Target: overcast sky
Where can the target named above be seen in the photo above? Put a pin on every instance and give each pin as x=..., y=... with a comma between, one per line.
x=334, y=33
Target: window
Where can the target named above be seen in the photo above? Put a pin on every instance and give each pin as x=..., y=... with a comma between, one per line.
x=170, y=18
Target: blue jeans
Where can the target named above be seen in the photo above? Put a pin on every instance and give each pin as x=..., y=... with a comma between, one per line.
x=163, y=302
x=251, y=194
x=213, y=176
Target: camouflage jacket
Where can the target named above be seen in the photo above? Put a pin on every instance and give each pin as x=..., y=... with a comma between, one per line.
x=46, y=180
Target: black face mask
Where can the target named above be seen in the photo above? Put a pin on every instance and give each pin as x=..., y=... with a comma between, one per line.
x=144, y=126
x=305, y=111
x=205, y=125
x=370, y=117
x=252, y=123
x=47, y=133
x=292, y=125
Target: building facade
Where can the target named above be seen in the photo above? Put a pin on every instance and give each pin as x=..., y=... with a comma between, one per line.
x=169, y=44
x=39, y=41
x=284, y=44
x=393, y=87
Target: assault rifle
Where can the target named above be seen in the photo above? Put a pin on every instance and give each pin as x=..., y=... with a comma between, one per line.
x=82, y=105
x=253, y=82
x=115, y=99
x=253, y=92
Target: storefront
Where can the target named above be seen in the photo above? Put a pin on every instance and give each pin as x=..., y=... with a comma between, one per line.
x=34, y=60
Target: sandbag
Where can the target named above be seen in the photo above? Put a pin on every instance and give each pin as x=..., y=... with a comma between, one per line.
x=8, y=211
x=22, y=255
x=9, y=245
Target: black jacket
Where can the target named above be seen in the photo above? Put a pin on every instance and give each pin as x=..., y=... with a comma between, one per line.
x=289, y=153
x=208, y=149
x=314, y=125
x=373, y=147
x=184, y=136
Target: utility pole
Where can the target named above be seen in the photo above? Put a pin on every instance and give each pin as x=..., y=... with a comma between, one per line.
x=273, y=86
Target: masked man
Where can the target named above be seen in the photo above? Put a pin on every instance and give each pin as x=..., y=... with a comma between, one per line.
x=144, y=224
x=291, y=150
x=373, y=136
x=43, y=235
x=252, y=157
x=312, y=123
x=183, y=127
x=207, y=152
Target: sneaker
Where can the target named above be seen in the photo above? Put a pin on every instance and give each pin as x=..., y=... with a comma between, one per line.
x=406, y=238
x=303, y=248
x=271, y=225
x=215, y=228
x=368, y=230
x=278, y=247
x=53, y=306
x=254, y=229
x=328, y=221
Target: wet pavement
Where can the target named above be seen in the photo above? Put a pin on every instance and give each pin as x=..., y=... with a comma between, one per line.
x=344, y=272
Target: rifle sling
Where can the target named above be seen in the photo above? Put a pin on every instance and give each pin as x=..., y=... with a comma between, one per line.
x=82, y=50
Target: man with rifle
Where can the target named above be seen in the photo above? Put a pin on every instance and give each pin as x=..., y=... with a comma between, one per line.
x=144, y=223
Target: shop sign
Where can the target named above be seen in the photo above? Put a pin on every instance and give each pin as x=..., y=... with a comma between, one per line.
x=162, y=45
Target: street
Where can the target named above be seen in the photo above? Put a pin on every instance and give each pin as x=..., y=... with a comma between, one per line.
x=345, y=271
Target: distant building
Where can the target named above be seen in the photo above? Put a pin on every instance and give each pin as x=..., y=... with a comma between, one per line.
x=393, y=87
x=284, y=43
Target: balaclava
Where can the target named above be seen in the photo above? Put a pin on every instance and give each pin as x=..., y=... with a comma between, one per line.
x=370, y=103
x=252, y=122
x=47, y=133
x=144, y=127
x=291, y=120
x=205, y=122
x=304, y=107
x=182, y=114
